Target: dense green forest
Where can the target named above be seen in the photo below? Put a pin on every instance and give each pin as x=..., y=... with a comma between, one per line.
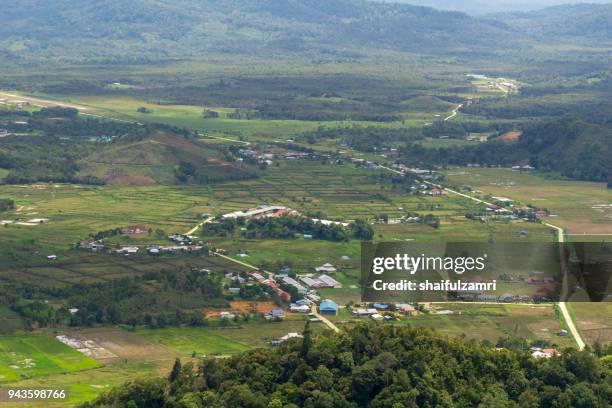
x=570, y=147
x=86, y=30
x=376, y=366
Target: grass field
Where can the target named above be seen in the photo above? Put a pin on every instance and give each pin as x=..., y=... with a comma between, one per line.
x=187, y=340
x=187, y=116
x=31, y=355
x=580, y=207
x=594, y=321
x=490, y=322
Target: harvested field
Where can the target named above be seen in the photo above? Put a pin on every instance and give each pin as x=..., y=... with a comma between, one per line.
x=510, y=136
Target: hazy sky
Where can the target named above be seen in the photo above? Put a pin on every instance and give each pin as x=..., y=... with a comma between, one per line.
x=491, y=6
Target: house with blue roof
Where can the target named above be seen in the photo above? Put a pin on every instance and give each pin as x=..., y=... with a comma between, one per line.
x=328, y=307
x=276, y=314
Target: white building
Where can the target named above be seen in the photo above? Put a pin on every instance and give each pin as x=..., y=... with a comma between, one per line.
x=327, y=268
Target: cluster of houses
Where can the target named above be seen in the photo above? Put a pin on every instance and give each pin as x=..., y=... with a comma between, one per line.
x=135, y=230
x=268, y=155
x=184, y=244
x=368, y=164
x=267, y=281
x=383, y=311
x=262, y=211
x=288, y=336
x=538, y=352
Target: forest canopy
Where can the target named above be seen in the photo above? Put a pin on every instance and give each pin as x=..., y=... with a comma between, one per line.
x=376, y=366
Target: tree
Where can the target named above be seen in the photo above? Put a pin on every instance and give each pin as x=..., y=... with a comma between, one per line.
x=176, y=370
x=306, y=340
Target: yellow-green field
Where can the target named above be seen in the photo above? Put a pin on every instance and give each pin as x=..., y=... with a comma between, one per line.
x=577, y=206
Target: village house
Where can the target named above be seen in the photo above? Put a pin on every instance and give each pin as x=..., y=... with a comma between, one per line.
x=262, y=211
x=328, y=307
x=295, y=308
x=288, y=336
x=326, y=268
x=405, y=308
x=363, y=312
x=330, y=282
x=135, y=229
x=127, y=250
x=303, y=302
x=292, y=282
x=285, y=296
x=543, y=352
x=276, y=314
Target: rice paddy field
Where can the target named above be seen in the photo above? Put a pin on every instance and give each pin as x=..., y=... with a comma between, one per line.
x=135, y=353
x=340, y=192
x=584, y=209
x=490, y=322
x=188, y=116
x=25, y=356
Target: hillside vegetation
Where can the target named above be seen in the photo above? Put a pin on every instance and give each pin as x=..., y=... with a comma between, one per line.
x=376, y=366
x=582, y=22
x=143, y=30
x=162, y=159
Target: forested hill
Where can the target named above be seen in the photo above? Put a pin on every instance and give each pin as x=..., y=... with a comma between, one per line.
x=580, y=22
x=377, y=366
x=157, y=29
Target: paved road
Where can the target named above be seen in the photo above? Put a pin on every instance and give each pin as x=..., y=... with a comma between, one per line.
x=560, y=236
x=565, y=290
x=562, y=305
x=453, y=112
x=324, y=319
x=194, y=229
x=43, y=102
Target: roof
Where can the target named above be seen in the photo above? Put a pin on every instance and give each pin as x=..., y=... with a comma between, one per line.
x=276, y=312
x=406, y=308
x=311, y=282
x=380, y=306
x=329, y=304
x=330, y=281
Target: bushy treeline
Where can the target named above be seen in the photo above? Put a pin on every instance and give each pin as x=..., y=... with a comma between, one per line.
x=43, y=159
x=571, y=147
x=6, y=204
x=376, y=366
x=157, y=299
x=288, y=227
x=459, y=130
x=365, y=139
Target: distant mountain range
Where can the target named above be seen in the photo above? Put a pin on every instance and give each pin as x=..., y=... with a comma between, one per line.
x=137, y=30
x=585, y=22
x=481, y=7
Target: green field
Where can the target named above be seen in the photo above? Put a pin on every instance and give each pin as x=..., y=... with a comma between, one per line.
x=578, y=206
x=31, y=355
x=186, y=116
x=221, y=340
x=188, y=340
x=490, y=322
x=593, y=320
